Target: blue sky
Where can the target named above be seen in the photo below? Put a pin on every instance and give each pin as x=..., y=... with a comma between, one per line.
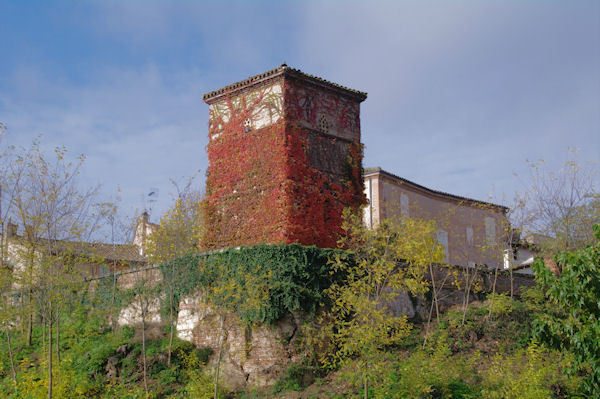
x=460, y=94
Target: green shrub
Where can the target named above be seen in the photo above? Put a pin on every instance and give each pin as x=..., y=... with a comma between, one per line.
x=128, y=367
x=294, y=377
x=501, y=304
x=127, y=333
x=429, y=373
x=183, y=350
x=573, y=323
x=532, y=373
x=297, y=276
x=201, y=386
x=169, y=376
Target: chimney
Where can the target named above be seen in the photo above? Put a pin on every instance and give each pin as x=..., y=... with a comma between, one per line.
x=145, y=217
x=11, y=229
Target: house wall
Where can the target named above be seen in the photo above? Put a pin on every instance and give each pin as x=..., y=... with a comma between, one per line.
x=389, y=197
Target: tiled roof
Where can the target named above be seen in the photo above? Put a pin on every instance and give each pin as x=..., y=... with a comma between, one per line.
x=281, y=70
x=369, y=171
x=120, y=252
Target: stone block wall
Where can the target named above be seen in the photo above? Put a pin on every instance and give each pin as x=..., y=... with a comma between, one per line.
x=258, y=355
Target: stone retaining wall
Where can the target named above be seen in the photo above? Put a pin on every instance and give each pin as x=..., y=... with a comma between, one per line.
x=258, y=355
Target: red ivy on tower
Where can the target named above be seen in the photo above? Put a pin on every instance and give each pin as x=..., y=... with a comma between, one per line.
x=285, y=159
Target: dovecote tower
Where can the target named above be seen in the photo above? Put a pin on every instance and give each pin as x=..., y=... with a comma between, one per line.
x=285, y=159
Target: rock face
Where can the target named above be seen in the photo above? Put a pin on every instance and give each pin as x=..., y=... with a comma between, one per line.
x=132, y=314
x=257, y=355
x=251, y=355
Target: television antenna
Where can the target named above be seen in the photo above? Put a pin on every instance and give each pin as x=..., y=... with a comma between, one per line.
x=151, y=198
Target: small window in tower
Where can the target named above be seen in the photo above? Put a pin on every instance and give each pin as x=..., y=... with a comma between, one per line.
x=247, y=125
x=323, y=124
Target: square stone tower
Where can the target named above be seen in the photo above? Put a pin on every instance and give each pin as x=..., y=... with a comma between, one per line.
x=285, y=159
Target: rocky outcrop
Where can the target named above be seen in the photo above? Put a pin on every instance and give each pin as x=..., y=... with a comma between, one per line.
x=251, y=355
x=257, y=355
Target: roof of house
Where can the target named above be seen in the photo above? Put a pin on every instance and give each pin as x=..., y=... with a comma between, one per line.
x=104, y=251
x=280, y=71
x=378, y=170
x=120, y=252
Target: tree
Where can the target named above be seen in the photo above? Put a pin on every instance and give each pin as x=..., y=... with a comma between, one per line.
x=178, y=233
x=56, y=215
x=144, y=295
x=575, y=323
x=122, y=229
x=381, y=263
x=8, y=312
x=562, y=205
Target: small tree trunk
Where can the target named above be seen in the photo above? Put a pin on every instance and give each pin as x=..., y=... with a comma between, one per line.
x=435, y=298
x=58, y=338
x=428, y=324
x=10, y=354
x=467, y=295
x=170, y=323
x=464, y=315
x=221, y=343
x=493, y=291
x=144, y=348
x=23, y=323
x=113, y=305
x=511, y=283
x=43, y=332
x=29, y=318
x=50, y=352
x=366, y=387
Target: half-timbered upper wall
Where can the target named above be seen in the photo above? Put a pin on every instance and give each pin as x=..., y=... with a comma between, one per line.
x=264, y=106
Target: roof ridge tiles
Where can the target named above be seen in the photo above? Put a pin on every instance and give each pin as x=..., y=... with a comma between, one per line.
x=280, y=70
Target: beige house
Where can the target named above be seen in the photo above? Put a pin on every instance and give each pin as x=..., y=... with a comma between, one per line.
x=472, y=232
x=92, y=258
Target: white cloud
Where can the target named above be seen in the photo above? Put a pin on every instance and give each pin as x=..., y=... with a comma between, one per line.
x=459, y=94
x=138, y=128
x=469, y=86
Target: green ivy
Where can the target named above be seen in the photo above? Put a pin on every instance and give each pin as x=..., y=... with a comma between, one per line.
x=297, y=276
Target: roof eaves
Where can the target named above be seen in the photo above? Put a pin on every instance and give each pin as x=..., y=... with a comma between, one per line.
x=370, y=171
x=273, y=73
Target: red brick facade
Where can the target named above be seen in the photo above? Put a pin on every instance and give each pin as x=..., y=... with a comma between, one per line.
x=284, y=160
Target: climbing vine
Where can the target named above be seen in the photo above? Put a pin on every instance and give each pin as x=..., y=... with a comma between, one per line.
x=295, y=278
x=263, y=185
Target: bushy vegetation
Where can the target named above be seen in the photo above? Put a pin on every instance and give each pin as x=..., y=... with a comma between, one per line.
x=97, y=362
x=572, y=299
x=482, y=358
x=541, y=345
x=296, y=276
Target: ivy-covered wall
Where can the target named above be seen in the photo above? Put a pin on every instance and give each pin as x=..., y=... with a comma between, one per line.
x=289, y=278
x=284, y=160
